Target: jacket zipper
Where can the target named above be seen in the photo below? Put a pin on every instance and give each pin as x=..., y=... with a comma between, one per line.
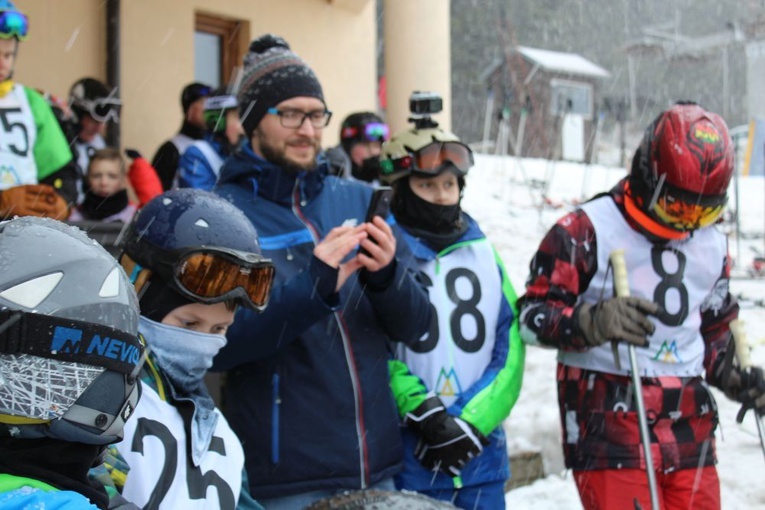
x=349, y=359
x=275, y=402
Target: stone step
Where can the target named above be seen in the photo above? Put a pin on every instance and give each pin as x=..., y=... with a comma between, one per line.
x=525, y=468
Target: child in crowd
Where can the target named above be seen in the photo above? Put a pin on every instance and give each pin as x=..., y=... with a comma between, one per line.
x=107, y=197
x=460, y=381
x=66, y=308
x=193, y=258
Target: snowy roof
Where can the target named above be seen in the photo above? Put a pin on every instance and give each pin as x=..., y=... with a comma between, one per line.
x=563, y=62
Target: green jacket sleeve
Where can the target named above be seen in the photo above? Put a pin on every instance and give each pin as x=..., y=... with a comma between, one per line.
x=408, y=390
x=489, y=401
x=51, y=150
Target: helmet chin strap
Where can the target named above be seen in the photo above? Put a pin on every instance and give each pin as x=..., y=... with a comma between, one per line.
x=648, y=223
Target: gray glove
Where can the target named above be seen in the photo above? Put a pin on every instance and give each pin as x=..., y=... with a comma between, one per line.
x=619, y=319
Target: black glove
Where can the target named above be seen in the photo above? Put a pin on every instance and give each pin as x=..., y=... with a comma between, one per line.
x=446, y=443
x=133, y=154
x=745, y=385
x=619, y=319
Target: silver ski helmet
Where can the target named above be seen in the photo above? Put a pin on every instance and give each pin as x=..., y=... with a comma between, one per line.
x=69, y=347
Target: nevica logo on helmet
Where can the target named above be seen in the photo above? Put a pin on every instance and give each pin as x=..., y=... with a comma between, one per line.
x=69, y=341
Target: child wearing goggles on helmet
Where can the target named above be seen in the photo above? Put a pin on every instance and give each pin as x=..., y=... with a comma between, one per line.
x=194, y=258
x=357, y=157
x=676, y=317
x=91, y=106
x=35, y=178
x=460, y=382
x=66, y=308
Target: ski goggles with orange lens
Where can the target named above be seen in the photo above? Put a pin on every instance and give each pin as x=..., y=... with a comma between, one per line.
x=431, y=159
x=213, y=275
x=689, y=213
x=372, y=132
x=13, y=24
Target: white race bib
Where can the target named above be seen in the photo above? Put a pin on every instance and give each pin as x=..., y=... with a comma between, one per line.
x=465, y=291
x=18, y=134
x=161, y=472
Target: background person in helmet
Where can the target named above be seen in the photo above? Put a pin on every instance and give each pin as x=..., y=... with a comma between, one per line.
x=358, y=154
x=93, y=105
x=307, y=380
x=35, y=179
x=201, y=162
x=453, y=422
x=64, y=395
x=194, y=259
x=662, y=215
x=107, y=197
x=168, y=156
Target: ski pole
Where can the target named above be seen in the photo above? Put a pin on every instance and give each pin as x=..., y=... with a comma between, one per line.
x=742, y=353
x=622, y=288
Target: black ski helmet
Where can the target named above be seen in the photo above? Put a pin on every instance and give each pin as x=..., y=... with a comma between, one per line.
x=181, y=222
x=352, y=129
x=88, y=95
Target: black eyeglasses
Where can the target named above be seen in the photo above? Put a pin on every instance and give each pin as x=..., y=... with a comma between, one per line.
x=293, y=119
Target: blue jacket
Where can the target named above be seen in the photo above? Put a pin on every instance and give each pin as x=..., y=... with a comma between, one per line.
x=307, y=387
x=196, y=169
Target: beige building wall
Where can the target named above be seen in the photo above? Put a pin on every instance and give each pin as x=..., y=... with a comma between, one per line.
x=68, y=41
x=417, y=56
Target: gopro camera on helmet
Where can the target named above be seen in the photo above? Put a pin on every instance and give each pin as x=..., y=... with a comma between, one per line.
x=422, y=105
x=425, y=103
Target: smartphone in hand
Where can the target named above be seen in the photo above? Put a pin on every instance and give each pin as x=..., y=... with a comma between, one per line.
x=379, y=205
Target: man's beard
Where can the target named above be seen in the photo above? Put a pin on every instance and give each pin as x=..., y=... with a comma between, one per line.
x=279, y=158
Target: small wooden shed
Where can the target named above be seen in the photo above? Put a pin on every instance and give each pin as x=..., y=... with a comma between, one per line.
x=544, y=104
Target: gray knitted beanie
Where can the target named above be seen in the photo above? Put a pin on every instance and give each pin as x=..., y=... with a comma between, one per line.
x=272, y=73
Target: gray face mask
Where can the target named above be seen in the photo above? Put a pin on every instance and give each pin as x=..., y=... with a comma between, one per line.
x=184, y=356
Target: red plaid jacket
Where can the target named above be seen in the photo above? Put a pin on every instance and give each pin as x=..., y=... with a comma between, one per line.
x=600, y=426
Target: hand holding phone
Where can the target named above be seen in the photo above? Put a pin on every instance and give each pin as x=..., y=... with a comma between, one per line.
x=379, y=205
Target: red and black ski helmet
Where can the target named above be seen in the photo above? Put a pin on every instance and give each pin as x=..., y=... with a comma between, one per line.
x=681, y=172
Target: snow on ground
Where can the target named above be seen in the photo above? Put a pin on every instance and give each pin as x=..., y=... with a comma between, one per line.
x=504, y=195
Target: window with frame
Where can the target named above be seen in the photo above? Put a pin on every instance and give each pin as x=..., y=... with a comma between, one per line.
x=570, y=97
x=219, y=45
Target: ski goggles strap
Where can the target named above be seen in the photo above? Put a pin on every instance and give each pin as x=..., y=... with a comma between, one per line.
x=213, y=275
x=215, y=103
x=13, y=24
x=683, y=212
x=50, y=337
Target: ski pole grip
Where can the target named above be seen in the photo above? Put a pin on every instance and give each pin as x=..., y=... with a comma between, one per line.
x=739, y=340
x=621, y=283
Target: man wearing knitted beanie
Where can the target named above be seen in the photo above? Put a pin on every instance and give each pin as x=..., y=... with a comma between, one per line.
x=307, y=389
